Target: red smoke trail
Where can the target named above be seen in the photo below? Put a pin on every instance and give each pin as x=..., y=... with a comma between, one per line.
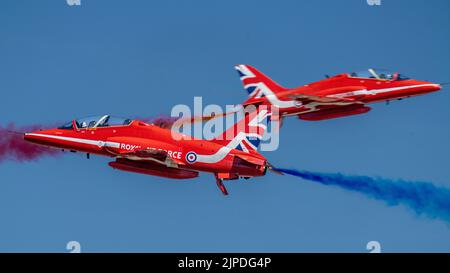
x=14, y=147
x=166, y=122
x=162, y=121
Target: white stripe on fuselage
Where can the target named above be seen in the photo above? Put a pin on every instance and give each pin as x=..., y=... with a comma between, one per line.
x=214, y=158
x=273, y=99
x=225, y=150
x=378, y=91
x=241, y=136
x=98, y=143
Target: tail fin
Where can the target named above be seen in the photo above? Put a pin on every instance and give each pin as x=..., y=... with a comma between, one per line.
x=256, y=83
x=246, y=134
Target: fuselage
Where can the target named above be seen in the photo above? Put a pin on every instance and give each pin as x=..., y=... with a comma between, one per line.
x=364, y=90
x=339, y=96
x=125, y=142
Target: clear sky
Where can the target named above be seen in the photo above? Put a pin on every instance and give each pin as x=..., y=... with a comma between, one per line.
x=139, y=58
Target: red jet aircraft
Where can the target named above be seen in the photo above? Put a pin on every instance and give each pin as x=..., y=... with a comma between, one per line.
x=148, y=149
x=338, y=96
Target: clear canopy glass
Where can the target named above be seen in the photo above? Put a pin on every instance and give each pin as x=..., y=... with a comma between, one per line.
x=381, y=74
x=102, y=121
x=98, y=121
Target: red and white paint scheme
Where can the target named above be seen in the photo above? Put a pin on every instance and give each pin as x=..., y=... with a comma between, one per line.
x=148, y=149
x=334, y=97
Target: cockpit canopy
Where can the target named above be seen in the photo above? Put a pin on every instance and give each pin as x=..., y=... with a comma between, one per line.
x=98, y=121
x=380, y=74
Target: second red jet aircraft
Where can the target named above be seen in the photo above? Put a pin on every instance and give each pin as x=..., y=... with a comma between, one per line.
x=339, y=96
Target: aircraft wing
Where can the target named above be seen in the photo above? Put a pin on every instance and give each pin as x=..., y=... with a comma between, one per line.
x=306, y=99
x=328, y=107
x=251, y=159
x=158, y=156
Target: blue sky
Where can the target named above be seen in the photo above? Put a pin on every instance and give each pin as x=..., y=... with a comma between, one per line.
x=139, y=58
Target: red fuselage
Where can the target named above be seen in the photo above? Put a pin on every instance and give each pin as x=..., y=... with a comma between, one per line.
x=365, y=90
x=338, y=96
x=148, y=149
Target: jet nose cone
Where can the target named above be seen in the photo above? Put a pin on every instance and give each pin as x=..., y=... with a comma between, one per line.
x=428, y=87
x=435, y=87
x=39, y=137
x=29, y=137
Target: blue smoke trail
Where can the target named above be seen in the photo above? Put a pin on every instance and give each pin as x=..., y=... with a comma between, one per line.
x=422, y=197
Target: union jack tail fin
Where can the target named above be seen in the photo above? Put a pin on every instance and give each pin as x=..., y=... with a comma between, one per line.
x=256, y=83
x=246, y=134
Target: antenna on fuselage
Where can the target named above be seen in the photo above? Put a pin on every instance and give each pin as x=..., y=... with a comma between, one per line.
x=371, y=71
